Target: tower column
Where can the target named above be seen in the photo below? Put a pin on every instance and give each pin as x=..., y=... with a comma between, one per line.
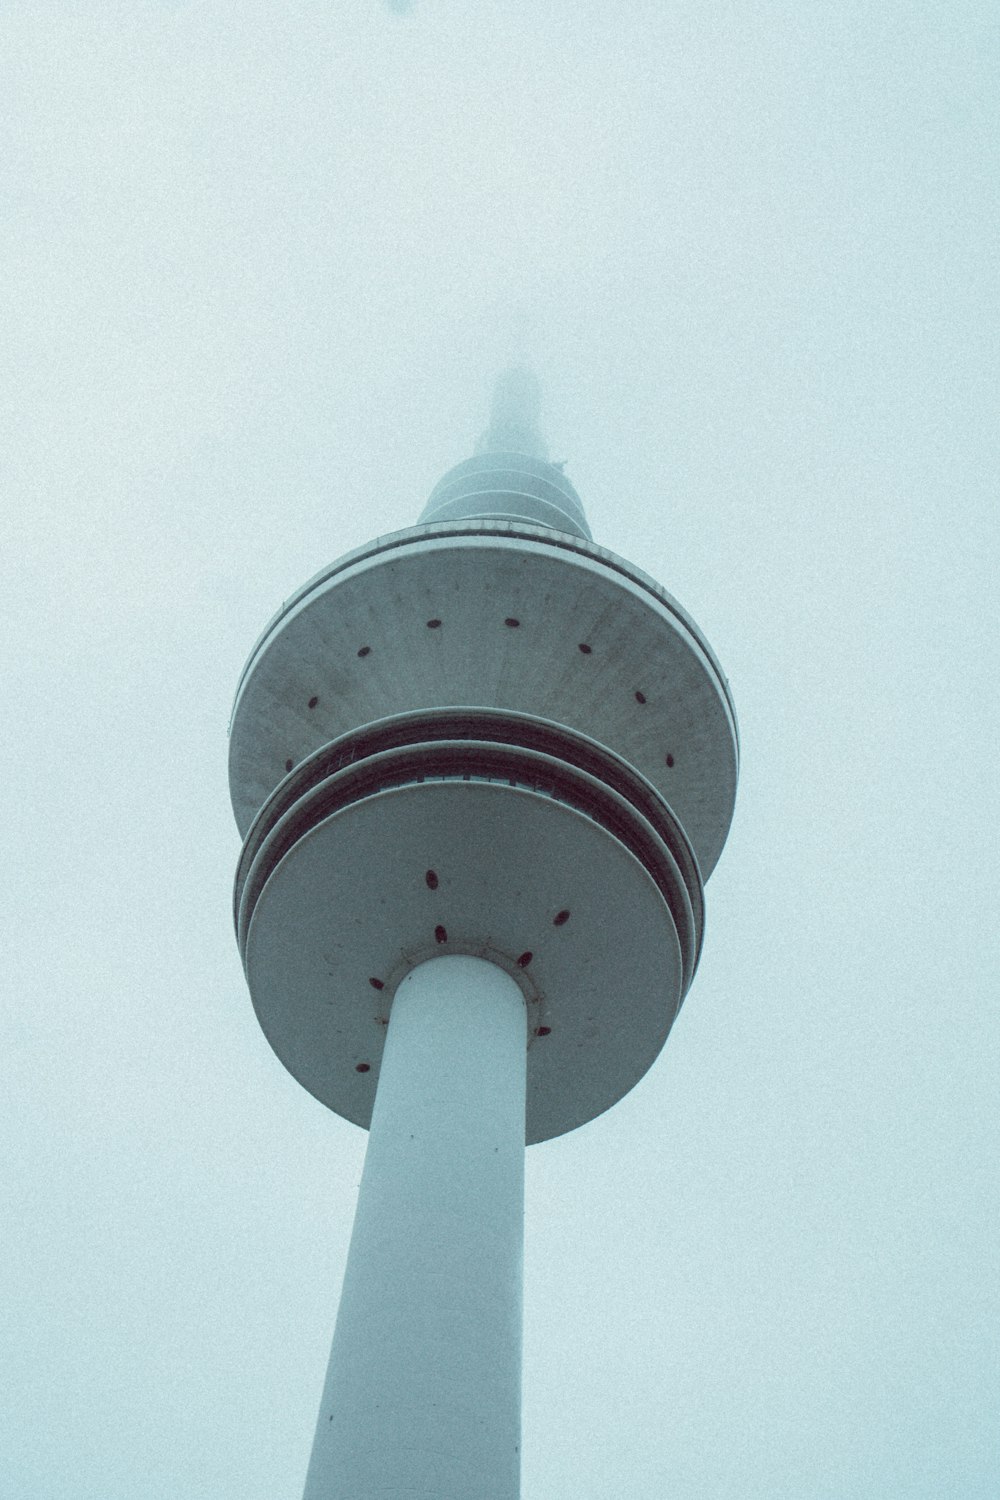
x=423, y=1391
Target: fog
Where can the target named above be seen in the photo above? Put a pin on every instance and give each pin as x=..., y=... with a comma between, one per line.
x=260, y=266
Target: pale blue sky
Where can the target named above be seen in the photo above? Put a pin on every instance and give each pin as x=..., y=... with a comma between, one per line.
x=259, y=266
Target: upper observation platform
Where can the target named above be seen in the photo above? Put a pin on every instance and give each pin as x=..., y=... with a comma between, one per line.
x=493, y=614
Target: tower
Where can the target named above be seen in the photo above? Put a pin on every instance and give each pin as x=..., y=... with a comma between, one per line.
x=482, y=768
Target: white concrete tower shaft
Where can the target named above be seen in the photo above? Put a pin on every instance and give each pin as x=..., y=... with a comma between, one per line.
x=423, y=1393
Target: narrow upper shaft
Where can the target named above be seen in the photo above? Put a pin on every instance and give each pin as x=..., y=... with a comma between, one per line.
x=510, y=477
x=515, y=416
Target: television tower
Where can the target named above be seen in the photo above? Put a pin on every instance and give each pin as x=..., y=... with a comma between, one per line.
x=482, y=768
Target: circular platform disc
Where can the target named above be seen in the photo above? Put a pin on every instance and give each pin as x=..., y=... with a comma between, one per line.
x=501, y=622
x=468, y=867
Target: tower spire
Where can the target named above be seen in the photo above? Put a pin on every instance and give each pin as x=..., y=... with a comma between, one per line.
x=515, y=415
x=510, y=477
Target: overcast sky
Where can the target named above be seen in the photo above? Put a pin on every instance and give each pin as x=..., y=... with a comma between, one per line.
x=260, y=263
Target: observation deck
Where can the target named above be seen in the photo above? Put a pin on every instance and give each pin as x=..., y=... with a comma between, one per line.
x=484, y=734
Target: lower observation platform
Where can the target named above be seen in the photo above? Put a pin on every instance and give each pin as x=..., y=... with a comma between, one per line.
x=495, y=836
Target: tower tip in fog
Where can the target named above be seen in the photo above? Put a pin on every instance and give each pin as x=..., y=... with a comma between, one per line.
x=510, y=477
x=515, y=415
